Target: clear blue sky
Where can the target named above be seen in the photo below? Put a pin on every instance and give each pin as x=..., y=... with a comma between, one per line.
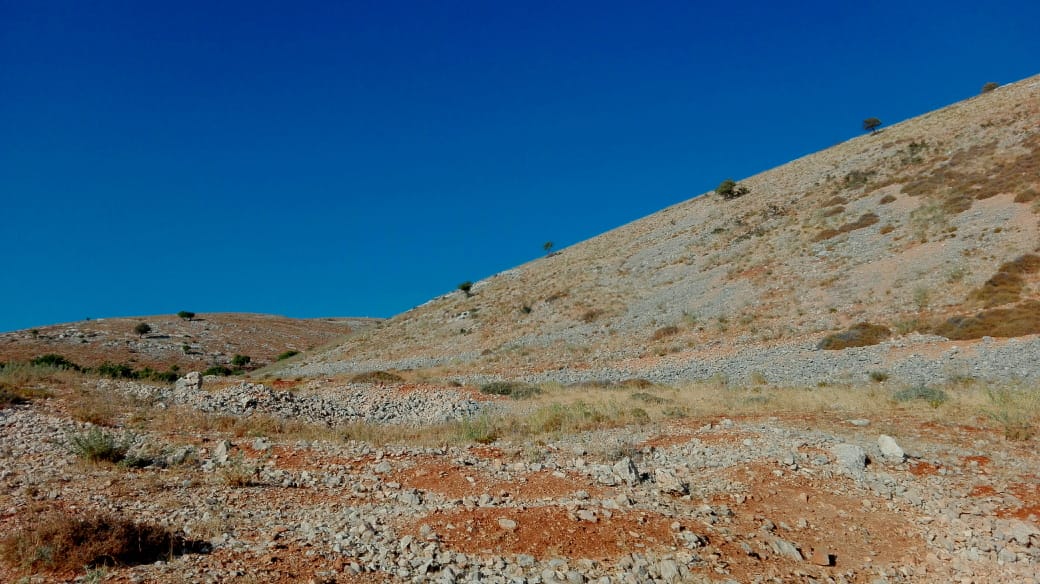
x=358, y=158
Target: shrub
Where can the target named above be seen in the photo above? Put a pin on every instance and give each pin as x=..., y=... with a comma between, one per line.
x=934, y=397
x=54, y=360
x=861, y=335
x=865, y=220
x=56, y=541
x=467, y=287
x=376, y=377
x=1017, y=321
x=729, y=189
x=9, y=396
x=886, y=199
x=186, y=314
x=665, y=332
x=871, y=125
x=116, y=371
x=1006, y=285
x=96, y=445
x=513, y=389
x=142, y=329
x=990, y=86
x=878, y=376
x=218, y=370
x=648, y=398
x=240, y=360
x=286, y=355
x=479, y=429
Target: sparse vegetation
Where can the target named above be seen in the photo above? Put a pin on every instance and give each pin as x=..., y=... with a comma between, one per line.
x=240, y=361
x=729, y=189
x=377, y=377
x=218, y=370
x=286, y=355
x=933, y=396
x=142, y=329
x=861, y=335
x=56, y=541
x=10, y=396
x=186, y=315
x=54, y=360
x=97, y=445
x=513, y=389
x=990, y=86
x=865, y=220
x=871, y=125
x=665, y=332
x=1007, y=284
x=1016, y=321
x=466, y=288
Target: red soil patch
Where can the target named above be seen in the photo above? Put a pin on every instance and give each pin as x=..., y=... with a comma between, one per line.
x=1029, y=494
x=982, y=491
x=821, y=516
x=454, y=482
x=545, y=532
x=292, y=459
x=979, y=460
x=923, y=469
x=487, y=452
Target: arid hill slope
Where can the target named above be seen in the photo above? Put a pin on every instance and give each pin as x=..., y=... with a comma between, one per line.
x=904, y=229
x=205, y=340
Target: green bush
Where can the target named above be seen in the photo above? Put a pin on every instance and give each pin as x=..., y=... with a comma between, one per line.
x=219, y=370
x=513, y=389
x=54, y=360
x=186, y=314
x=96, y=445
x=286, y=355
x=871, y=125
x=861, y=335
x=142, y=329
x=376, y=377
x=935, y=397
x=729, y=189
x=116, y=371
x=240, y=360
x=466, y=287
x=9, y=396
x=990, y=86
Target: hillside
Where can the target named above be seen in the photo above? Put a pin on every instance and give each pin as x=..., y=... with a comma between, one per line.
x=203, y=341
x=904, y=229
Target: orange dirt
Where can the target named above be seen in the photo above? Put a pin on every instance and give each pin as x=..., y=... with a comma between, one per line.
x=545, y=532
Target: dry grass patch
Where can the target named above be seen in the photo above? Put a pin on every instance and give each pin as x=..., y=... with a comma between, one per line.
x=56, y=541
x=860, y=335
x=865, y=220
x=1007, y=284
x=1016, y=321
x=377, y=377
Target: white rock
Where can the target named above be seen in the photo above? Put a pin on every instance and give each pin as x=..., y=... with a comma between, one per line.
x=890, y=449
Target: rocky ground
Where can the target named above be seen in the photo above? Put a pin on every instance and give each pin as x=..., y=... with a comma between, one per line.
x=892, y=494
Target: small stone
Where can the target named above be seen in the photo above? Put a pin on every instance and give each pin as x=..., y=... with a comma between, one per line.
x=507, y=523
x=822, y=558
x=667, y=482
x=785, y=548
x=383, y=467
x=627, y=471
x=587, y=516
x=859, y=422
x=851, y=457
x=222, y=451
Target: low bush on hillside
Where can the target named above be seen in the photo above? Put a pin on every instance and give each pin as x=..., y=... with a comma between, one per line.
x=1016, y=321
x=513, y=389
x=935, y=397
x=240, y=361
x=54, y=360
x=10, y=396
x=286, y=355
x=116, y=371
x=218, y=370
x=55, y=541
x=97, y=445
x=865, y=220
x=377, y=377
x=860, y=335
x=729, y=189
x=665, y=332
x=886, y=199
x=1007, y=284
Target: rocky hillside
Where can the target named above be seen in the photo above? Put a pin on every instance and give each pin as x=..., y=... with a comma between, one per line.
x=925, y=231
x=197, y=343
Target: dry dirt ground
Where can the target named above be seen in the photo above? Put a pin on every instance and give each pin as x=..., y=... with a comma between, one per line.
x=756, y=494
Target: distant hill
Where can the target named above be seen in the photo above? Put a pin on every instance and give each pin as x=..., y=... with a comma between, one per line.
x=923, y=230
x=205, y=340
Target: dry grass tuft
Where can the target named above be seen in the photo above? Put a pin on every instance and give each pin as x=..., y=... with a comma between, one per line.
x=665, y=332
x=56, y=541
x=865, y=220
x=377, y=377
x=1007, y=285
x=1016, y=321
x=861, y=335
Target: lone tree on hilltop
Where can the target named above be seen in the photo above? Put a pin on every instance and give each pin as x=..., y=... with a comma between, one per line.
x=186, y=314
x=142, y=329
x=871, y=125
x=466, y=287
x=729, y=189
x=547, y=246
x=990, y=86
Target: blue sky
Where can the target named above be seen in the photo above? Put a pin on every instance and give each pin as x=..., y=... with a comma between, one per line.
x=358, y=158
